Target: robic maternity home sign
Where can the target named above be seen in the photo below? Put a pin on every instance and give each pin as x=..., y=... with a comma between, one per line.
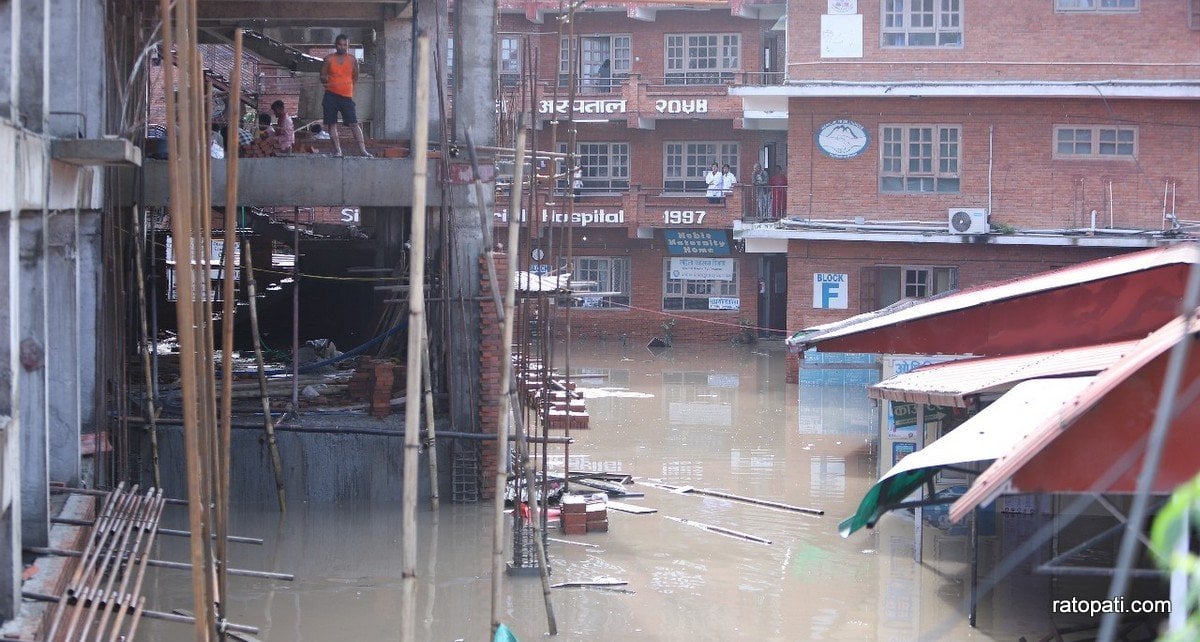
x=842, y=138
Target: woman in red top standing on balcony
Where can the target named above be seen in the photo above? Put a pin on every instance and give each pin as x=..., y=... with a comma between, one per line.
x=778, y=183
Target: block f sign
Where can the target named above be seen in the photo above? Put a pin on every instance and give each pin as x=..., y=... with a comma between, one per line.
x=830, y=291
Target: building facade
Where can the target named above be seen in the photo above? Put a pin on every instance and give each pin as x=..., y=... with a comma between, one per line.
x=643, y=92
x=924, y=146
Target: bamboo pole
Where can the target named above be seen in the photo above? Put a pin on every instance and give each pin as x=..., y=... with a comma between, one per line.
x=144, y=329
x=228, y=314
x=506, y=382
x=430, y=428
x=268, y=420
x=416, y=324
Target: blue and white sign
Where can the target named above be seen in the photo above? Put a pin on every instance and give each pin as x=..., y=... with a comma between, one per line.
x=724, y=303
x=842, y=139
x=711, y=242
x=702, y=269
x=831, y=291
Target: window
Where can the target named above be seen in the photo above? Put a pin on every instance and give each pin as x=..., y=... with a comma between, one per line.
x=605, y=276
x=684, y=294
x=702, y=59
x=1095, y=5
x=912, y=282
x=919, y=159
x=604, y=167
x=1095, y=143
x=684, y=164
x=509, y=59
x=922, y=23
x=590, y=53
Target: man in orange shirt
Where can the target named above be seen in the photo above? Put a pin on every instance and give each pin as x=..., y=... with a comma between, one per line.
x=338, y=75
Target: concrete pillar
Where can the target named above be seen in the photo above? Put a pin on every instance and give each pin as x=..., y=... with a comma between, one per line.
x=77, y=84
x=32, y=55
x=88, y=284
x=62, y=347
x=10, y=483
x=474, y=108
x=35, y=455
x=7, y=72
x=395, y=100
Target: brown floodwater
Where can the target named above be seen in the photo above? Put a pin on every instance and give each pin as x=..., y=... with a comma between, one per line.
x=714, y=417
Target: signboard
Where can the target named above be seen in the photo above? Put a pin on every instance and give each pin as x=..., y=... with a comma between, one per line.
x=842, y=139
x=702, y=269
x=461, y=174
x=724, y=303
x=712, y=242
x=830, y=291
x=842, y=36
x=581, y=218
x=901, y=449
x=681, y=106
x=582, y=106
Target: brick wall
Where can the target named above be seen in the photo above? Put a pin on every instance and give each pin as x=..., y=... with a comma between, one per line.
x=1030, y=188
x=489, y=372
x=1004, y=42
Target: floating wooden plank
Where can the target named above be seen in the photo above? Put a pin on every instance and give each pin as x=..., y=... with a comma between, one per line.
x=720, y=530
x=631, y=508
x=567, y=541
x=596, y=582
x=690, y=490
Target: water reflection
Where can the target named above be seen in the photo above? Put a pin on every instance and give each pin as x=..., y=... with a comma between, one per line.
x=719, y=417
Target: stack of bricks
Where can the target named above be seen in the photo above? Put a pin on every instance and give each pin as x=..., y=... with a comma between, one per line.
x=490, y=368
x=377, y=381
x=583, y=514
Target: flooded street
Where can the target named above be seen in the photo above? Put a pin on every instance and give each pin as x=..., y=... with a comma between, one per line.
x=719, y=417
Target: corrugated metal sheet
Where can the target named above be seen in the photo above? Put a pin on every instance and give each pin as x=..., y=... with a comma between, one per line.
x=1091, y=271
x=1102, y=423
x=950, y=384
x=984, y=437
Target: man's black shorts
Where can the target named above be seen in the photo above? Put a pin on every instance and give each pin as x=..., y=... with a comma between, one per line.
x=334, y=103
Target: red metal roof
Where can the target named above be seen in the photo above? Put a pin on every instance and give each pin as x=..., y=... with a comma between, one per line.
x=1116, y=299
x=1077, y=448
x=952, y=383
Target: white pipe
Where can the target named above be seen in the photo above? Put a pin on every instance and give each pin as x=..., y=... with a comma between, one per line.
x=1110, y=204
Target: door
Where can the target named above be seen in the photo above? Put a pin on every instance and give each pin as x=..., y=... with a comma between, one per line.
x=772, y=295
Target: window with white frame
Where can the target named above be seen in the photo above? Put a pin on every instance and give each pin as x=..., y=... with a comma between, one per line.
x=702, y=58
x=589, y=54
x=603, y=167
x=922, y=23
x=607, y=276
x=509, y=60
x=1095, y=142
x=895, y=282
x=919, y=159
x=684, y=164
x=1096, y=5
x=689, y=294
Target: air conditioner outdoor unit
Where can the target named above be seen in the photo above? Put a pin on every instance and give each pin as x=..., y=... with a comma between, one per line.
x=969, y=220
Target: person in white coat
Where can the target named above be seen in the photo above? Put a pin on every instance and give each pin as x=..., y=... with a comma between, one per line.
x=715, y=181
x=728, y=180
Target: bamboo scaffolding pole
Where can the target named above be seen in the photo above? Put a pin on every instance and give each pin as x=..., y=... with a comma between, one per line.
x=183, y=183
x=144, y=331
x=178, y=566
x=416, y=324
x=161, y=531
x=268, y=420
x=523, y=450
x=148, y=521
x=506, y=383
x=430, y=428
x=228, y=315
x=156, y=615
